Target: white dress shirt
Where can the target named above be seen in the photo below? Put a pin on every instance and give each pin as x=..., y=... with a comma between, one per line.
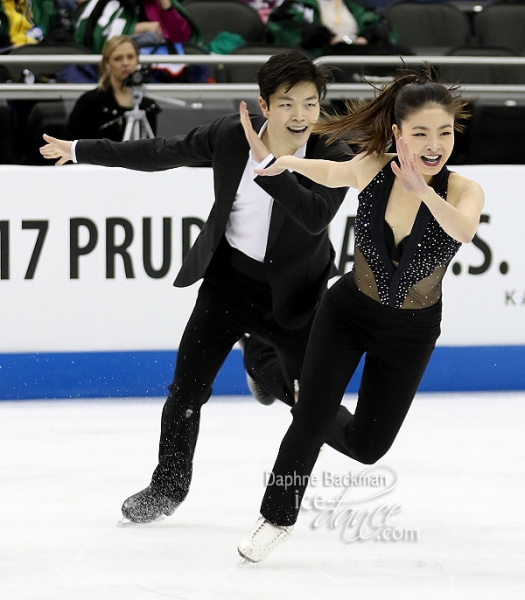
x=249, y=222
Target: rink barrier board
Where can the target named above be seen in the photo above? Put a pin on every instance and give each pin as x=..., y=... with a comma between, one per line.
x=88, y=309
x=87, y=264
x=26, y=376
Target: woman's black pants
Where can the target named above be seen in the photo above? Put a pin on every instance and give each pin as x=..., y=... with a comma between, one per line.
x=397, y=344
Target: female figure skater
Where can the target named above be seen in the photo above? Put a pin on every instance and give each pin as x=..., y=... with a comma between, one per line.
x=412, y=218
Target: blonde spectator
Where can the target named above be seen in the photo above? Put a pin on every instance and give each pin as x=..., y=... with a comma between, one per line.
x=100, y=113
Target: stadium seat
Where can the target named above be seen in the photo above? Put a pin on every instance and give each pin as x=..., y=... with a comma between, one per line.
x=502, y=25
x=43, y=70
x=244, y=73
x=482, y=74
x=213, y=17
x=429, y=28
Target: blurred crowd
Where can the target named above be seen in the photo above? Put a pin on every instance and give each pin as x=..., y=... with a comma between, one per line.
x=315, y=25
x=122, y=30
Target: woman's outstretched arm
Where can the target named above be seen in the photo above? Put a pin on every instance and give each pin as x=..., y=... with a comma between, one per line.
x=326, y=172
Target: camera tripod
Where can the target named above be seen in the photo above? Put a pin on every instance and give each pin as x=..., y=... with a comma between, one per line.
x=137, y=124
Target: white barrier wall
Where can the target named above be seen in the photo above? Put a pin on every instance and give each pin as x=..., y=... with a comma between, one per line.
x=88, y=256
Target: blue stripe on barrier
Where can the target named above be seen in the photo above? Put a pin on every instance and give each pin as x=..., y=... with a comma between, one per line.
x=148, y=373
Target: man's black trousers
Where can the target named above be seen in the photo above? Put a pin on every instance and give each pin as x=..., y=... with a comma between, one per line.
x=230, y=303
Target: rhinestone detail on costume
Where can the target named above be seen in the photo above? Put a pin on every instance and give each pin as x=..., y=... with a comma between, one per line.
x=434, y=252
x=363, y=238
x=436, y=249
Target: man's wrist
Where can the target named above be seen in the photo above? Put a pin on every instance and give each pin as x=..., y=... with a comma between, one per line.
x=261, y=164
x=73, y=151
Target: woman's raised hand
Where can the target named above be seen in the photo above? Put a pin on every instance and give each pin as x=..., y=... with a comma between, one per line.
x=259, y=150
x=408, y=171
x=55, y=148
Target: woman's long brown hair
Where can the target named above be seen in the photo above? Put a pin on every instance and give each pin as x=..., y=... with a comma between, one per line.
x=367, y=124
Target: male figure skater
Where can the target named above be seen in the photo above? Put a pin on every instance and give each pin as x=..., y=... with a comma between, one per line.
x=263, y=253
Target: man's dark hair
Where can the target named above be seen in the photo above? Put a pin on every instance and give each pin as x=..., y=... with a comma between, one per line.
x=290, y=68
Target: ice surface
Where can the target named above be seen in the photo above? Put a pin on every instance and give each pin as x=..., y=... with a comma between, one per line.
x=66, y=467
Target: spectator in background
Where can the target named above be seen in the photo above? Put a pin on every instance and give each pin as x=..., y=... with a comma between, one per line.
x=100, y=113
x=263, y=7
x=53, y=17
x=17, y=26
x=32, y=21
x=331, y=27
x=68, y=7
x=99, y=20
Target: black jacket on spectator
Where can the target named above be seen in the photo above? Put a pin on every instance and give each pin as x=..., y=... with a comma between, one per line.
x=97, y=115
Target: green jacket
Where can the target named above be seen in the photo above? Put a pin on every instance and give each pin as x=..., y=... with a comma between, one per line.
x=95, y=23
x=297, y=23
x=45, y=14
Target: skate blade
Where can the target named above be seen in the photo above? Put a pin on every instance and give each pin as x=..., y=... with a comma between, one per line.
x=125, y=522
x=244, y=560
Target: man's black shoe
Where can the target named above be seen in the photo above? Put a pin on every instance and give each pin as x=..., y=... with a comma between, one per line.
x=148, y=505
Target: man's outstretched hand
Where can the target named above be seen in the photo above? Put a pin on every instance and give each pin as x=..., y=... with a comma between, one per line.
x=56, y=148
